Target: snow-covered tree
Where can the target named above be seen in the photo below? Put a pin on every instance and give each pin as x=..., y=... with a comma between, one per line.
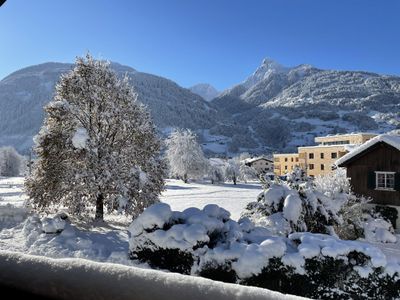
x=237, y=170
x=185, y=156
x=216, y=174
x=232, y=170
x=10, y=162
x=247, y=173
x=97, y=146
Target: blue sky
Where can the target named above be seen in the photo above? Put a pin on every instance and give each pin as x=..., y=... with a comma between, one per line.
x=190, y=41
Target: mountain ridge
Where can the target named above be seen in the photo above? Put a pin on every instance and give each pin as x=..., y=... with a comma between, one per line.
x=276, y=108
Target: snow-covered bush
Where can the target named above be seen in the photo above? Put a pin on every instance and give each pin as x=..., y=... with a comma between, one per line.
x=11, y=162
x=376, y=229
x=171, y=240
x=208, y=243
x=284, y=210
x=185, y=156
x=325, y=205
x=97, y=148
x=388, y=213
x=358, y=219
x=323, y=267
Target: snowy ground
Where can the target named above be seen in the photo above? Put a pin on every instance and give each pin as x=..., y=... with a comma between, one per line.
x=11, y=190
x=231, y=197
x=108, y=242
x=105, y=242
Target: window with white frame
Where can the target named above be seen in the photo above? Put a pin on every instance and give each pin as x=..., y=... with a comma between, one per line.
x=384, y=180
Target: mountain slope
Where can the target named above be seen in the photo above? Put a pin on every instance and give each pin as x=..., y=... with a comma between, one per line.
x=24, y=93
x=205, y=90
x=285, y=107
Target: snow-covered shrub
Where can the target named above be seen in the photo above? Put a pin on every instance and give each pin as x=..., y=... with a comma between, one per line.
x=97, y=148
x=170, y=240
x=378, y=230
x=325, y=205
x=357, y=218
x=388, y=213
x=284, y=210
x=296, y=177
x=208, y=243
x=305, y=264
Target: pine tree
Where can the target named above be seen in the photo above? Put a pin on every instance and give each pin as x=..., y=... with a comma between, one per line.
x=185, y=156
x=97, y=146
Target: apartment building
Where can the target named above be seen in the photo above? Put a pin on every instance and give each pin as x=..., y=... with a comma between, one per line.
x=318, y=160
x=344, y=139
x=285, y=163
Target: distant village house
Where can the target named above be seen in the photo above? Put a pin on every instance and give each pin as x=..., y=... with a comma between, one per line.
x=262, y=165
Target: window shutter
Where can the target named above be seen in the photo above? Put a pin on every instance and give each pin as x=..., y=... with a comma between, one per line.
x=371, y=183
x=397, y=181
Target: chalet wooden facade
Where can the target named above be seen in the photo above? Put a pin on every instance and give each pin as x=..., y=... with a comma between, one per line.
x=374, y=169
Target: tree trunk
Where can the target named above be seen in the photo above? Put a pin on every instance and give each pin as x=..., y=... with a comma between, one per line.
x=185, y=178
x=99, y=207
x=234, y=180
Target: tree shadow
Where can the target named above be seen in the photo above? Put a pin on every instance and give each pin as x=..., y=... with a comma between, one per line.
x=10, y=194
x=178, y=187
x=255, y=186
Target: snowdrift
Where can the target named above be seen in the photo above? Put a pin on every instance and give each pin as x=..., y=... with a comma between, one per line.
x=83, y=279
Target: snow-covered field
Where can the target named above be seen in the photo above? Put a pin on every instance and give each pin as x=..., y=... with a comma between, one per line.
x=233, y=198
x=11, y=191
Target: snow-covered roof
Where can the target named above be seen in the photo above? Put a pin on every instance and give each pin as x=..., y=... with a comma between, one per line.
x=392, y=140
x=251, y=160
x=324, y=146
x=346, y=134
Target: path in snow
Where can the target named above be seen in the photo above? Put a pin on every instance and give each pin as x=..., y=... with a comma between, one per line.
x=233, y=198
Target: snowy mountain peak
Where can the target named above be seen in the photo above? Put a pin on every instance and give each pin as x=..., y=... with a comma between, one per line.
x=205, y=90
x=270, y=63
x=267, y=68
